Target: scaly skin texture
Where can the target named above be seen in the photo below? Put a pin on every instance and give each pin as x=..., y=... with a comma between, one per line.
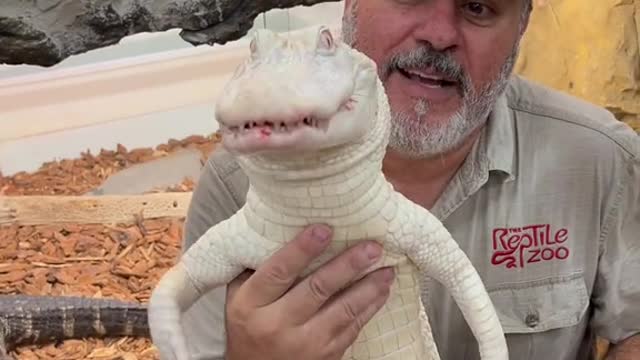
x=308, y=121
x=26, y=319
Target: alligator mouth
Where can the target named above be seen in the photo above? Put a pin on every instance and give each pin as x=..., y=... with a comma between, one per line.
x=281, y=130
x=270, y=127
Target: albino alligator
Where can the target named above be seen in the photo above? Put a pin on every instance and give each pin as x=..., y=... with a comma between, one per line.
x=308, y=121
x=27, y=320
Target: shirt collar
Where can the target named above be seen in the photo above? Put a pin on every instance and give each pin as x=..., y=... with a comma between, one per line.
x=500, y=140
x=493, y=155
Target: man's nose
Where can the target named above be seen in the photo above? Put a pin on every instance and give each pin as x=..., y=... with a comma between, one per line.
x=438, y=24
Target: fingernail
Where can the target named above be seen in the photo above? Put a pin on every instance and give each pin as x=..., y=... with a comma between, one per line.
x=321, y=233
x=373, y=250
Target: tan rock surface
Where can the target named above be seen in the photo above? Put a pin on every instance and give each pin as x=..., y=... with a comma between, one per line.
x=589, y=48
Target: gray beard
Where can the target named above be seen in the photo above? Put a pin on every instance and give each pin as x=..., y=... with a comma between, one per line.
x=414, y=136
x=411, y=132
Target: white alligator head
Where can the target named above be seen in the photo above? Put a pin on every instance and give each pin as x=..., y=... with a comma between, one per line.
x=297, y=96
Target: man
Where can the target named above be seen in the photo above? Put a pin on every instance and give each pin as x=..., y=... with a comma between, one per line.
x=541, y=190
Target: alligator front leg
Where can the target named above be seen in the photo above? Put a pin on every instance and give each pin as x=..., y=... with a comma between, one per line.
x=213, y=261
x=437, y=255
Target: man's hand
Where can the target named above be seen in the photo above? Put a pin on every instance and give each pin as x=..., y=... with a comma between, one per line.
x=318, y=318
x=628, y=349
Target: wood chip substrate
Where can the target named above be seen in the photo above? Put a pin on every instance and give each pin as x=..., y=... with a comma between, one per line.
x=122, y=261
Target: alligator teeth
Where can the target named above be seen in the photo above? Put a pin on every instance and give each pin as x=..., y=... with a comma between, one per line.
x=275, y=127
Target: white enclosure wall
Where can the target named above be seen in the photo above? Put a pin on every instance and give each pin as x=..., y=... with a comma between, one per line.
x=149, y=88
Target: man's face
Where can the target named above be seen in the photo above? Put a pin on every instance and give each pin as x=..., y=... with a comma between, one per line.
x=443, y=63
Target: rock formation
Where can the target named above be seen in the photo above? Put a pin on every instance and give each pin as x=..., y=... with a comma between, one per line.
x=45, y=32
x=588, y=48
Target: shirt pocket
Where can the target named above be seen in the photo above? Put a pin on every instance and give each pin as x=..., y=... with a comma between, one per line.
x=528, y=310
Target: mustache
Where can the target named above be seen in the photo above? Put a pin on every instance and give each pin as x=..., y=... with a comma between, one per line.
x=425, y=56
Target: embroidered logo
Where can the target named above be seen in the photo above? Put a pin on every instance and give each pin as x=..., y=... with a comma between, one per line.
x=520, y=246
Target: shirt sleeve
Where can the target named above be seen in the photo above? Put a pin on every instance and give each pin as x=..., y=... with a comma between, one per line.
x=616, y=295
x=219, y=193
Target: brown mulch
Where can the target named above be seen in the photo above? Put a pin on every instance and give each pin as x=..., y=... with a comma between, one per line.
x=122, y=262
x=83, y=174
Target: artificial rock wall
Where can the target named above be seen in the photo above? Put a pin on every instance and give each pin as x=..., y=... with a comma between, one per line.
x=589, y=48
x=45, y=32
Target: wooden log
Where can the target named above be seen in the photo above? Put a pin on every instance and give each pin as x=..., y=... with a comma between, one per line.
x=106, y=209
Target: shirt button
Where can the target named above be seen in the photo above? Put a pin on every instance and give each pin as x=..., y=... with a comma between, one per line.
x=532, y=320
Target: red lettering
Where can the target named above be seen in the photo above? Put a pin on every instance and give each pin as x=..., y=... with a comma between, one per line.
x=538, y=233
x=498, y=236
x=562, y=250
x=561, y=236
x=547, y=254
x=500, y=257
x=534, y=256
x=515, y=247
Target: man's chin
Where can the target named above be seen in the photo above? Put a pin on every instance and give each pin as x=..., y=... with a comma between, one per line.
x=422, y=116
x=416, y=137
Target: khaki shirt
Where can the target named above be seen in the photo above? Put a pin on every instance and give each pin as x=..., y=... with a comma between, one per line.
x=547, y=207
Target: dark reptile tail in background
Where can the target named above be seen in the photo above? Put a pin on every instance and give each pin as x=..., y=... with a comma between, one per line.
x=26, y=320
